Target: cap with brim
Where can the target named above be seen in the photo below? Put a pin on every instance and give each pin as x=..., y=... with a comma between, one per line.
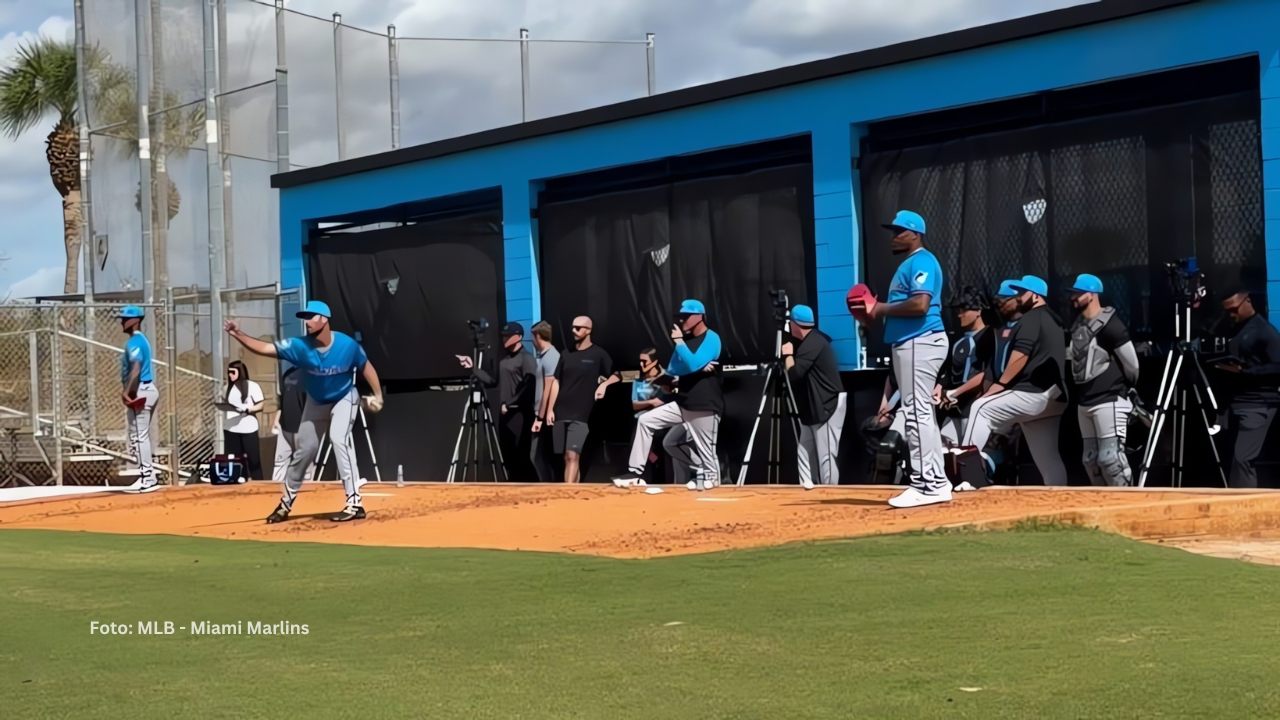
x=512, y=328
x=1007, y=290
x=906, y=220
x=1087, y=283
x=693, y=307
x=130, y=311
x=802, y=315
x=1032, y=284
x=315, y=307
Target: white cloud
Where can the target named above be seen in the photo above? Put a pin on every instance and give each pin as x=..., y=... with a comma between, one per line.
x=45, y=281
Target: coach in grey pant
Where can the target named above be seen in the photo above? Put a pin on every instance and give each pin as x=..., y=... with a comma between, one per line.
x=820, y=401
x=913, y=327
x=1031, y=390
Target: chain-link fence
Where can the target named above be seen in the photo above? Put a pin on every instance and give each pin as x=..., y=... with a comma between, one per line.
x=61, y=415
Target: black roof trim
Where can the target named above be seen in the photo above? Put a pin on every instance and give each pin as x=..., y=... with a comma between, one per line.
x=968, y=39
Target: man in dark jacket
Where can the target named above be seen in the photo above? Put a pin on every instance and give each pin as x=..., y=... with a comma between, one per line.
x=820, y=399
x=516, y=383
x=1253, y=384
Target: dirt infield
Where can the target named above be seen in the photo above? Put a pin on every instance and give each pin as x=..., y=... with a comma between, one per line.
x=602, y=520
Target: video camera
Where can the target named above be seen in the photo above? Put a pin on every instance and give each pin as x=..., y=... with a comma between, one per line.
x=781, y=305
x=1187, y=281
x=478, y=329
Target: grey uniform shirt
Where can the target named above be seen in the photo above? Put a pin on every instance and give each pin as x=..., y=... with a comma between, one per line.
x=547, y=361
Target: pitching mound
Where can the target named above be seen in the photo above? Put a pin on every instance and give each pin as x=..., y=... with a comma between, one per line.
x=602, y=520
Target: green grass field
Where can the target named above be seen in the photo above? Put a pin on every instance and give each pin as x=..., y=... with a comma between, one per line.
x=1057, y=623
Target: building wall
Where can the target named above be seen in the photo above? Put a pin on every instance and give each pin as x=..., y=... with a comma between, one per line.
x=832, y=113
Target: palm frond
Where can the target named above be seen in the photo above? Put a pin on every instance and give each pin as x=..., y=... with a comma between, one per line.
x=39, y=80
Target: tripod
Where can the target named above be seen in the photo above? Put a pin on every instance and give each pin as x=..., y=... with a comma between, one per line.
x=781, y=398
x=1184, y=355
x=477, y=418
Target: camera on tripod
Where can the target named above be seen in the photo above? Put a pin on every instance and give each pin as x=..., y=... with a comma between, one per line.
x=478, y=326
x=1187, y=281
x=781, y=305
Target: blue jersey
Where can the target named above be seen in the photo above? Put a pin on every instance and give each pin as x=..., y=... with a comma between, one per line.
x=136, y=350
x=329, y=374
x=919, y=273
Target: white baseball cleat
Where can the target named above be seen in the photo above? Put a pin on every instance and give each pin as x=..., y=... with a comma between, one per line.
x=912, y=497
x=806, y=484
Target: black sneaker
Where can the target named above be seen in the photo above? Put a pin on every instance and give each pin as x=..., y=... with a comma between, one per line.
x=349, y=513
x=627, y=479
x=280, y=514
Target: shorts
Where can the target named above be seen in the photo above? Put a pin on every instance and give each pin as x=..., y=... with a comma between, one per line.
x=570, y=436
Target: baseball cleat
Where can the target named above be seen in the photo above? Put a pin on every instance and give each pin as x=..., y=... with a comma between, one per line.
x=912, y=497
x=142, y=486
x=280, y=514
x=806, y=484
x=349, y=513
x=626, y=480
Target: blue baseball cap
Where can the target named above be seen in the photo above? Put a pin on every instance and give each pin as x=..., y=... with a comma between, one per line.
x=802, y=315
x=1086, y=283
x=693, y=307
x=1032, y=284
x=131, y=311
x=907, y=220
x=315, y=307
x=1007, y=290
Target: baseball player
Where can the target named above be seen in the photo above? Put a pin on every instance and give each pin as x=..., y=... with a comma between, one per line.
x=1104, y=365
x=330, y=360
x=1030, y=390
x=913, y=327
x=139, y=395
x=961, y=381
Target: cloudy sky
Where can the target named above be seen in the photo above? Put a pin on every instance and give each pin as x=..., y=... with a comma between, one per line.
x=447, y=88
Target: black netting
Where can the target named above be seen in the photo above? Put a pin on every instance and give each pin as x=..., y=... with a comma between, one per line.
x=1117, y=195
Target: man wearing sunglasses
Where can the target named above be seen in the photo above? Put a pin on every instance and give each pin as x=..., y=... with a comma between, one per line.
x=1253, y=376
x=694, y=417
x=582, y=377
x=329, y=361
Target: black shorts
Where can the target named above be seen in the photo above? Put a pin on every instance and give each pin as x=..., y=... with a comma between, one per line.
x=569, y=435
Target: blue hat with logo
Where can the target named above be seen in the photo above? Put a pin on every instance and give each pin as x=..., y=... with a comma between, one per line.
x=693, y=307
x=1007, y=290
x=315, y=307
x=1086, y=283
x=802, y=315
x=131, y=311
x=907, y=220
x=1032, y=284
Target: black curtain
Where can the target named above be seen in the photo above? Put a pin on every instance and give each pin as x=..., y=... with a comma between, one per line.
x=628, y=258
x=444, y=271
x=1118, y=195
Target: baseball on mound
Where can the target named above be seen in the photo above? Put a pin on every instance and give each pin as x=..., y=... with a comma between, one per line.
x=372, y=403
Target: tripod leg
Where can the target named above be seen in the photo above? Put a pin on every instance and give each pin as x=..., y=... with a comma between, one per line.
x=1168, y=385
x=457, y=445
x=755, y=427
x=368, y=440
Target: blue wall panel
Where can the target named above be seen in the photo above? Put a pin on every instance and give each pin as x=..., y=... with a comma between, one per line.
x=830, y=111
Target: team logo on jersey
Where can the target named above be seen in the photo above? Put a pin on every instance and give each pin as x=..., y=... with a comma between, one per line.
x=921, y=277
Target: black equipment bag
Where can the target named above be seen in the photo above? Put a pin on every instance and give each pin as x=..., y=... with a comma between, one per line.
x=227, y=470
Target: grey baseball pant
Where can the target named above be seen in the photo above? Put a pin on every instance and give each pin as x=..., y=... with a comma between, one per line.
x=285, y=444
x=139, y=422
x=1038, y=413
x=820, y=447
x=690, y=443
x=1102, y=428
x=339, y=417
x=915, y=368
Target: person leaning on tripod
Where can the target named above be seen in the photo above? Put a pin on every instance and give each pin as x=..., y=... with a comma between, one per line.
x=694, y=417
x=913, y=329
x=820, y=399
x=582, y=377
x=1252, y=384
x=517, y=372
x=1104, y=366
x=544, y=381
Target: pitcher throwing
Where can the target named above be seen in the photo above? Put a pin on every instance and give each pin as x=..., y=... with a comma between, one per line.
x=329, y=360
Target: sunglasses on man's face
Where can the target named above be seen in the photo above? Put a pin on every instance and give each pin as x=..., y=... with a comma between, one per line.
x=581, y=327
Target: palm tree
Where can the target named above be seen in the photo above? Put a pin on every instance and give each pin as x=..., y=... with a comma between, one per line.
x=41, y=82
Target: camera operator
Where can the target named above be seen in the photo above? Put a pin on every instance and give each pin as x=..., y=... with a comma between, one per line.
x=820, y=398
x=1104, y=366
x=961, y=380
x=1254, y=375
x=544, y=381
x=516, y=385
x=582, y=377
x=694, y=417
x=1030, y=390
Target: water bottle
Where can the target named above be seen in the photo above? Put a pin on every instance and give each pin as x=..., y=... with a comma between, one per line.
x=400, y=476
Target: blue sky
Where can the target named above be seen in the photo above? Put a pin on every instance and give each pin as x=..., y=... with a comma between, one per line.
x=697, y=42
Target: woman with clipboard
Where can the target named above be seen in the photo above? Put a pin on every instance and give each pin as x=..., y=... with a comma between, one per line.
x=244, y=400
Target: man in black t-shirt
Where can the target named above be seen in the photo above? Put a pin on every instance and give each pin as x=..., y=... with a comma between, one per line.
x=1251, y=384
x=1104, y=366
x=582, y=377
x=1031, y=391
x=694, y=417
x=820, y=399
x=960, y=382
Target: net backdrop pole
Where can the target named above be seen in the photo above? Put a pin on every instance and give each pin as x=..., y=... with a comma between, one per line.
x=142, y=21
x=337, y=84
x=224, y=135
x=87, y=254
x=650, y=76
x=524, y=75
x=214, y=187
x=282, y=94
x=393, y=59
